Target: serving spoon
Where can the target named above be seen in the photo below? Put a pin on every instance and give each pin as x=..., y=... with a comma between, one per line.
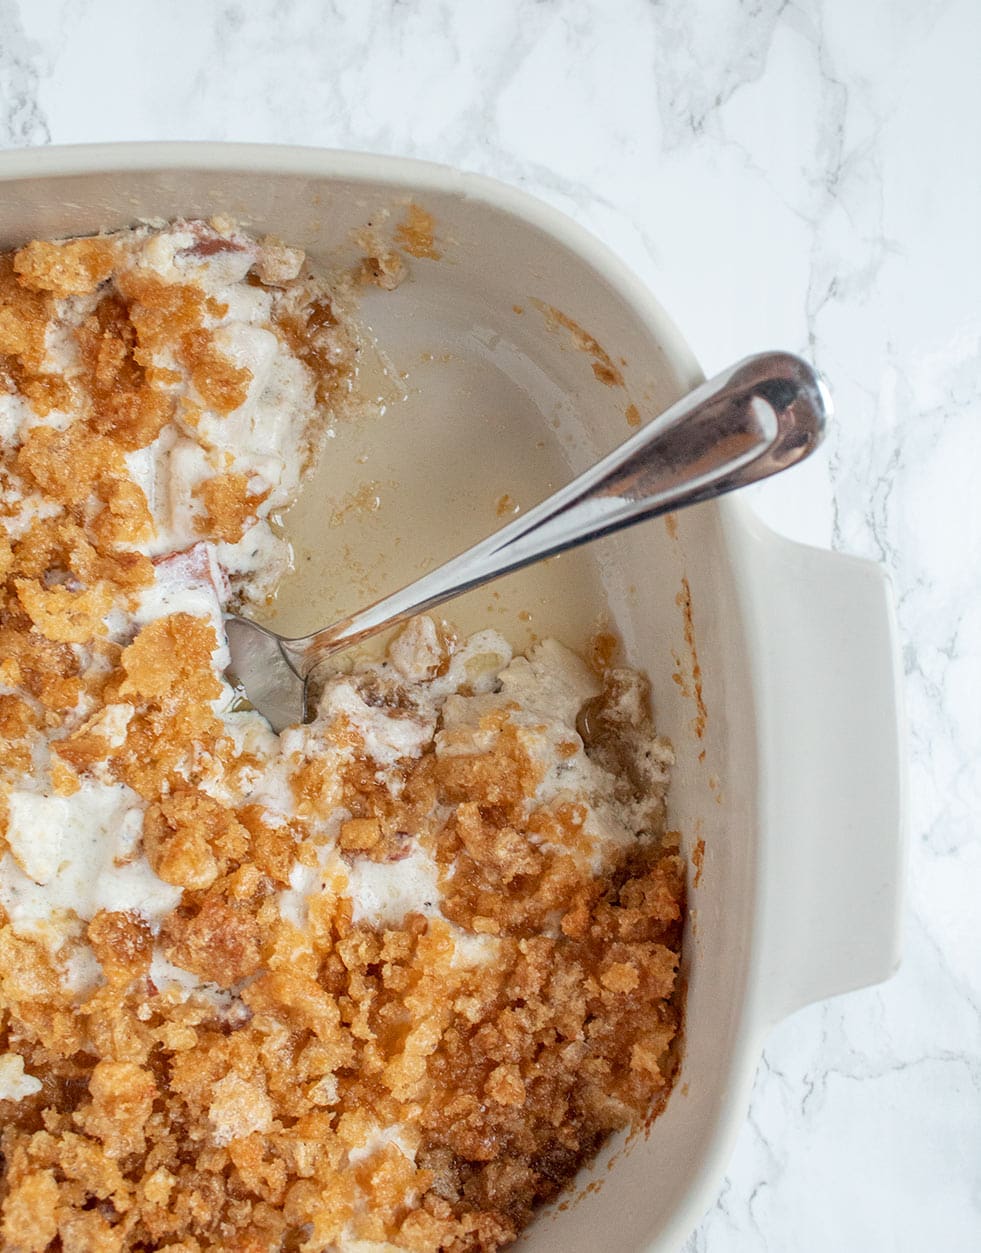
x=755, y=419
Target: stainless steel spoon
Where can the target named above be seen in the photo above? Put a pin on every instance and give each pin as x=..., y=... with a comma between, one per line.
x=753, y=420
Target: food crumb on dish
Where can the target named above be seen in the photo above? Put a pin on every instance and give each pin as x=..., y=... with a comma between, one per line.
x=384, y=268
x=383, y=981
x=364, y=499
x=416, y=234
x=698, y=861
x=604, y=368
x=691, y=684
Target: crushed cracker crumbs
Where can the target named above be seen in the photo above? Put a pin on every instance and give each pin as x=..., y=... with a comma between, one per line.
x=385, y=981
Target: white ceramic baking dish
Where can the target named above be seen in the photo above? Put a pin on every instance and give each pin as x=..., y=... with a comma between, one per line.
x=789, y=760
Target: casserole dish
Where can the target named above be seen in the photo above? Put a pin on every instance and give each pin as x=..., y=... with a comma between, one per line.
x=517, y=352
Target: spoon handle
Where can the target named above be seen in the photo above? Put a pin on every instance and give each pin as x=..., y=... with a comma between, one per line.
x=753, y=420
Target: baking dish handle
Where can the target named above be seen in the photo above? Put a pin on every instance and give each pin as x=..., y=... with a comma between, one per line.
x=832, y=772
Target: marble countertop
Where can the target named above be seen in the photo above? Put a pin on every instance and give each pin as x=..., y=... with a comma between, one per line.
x=801, y=174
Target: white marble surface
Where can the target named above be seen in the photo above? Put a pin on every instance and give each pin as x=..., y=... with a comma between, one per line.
x=803, y=174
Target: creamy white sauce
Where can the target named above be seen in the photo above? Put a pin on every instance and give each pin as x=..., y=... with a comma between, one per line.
x=265, y=438
x=551, y=682
x=31, y=507
x=292, y=901
x=166, y=596
x=382, y=893
x=173, y=981
x=81, y=972
x=15, y=416
x=63, y=853
x=15, y=1083
x=474, y=950
x=416, y=651
x=388, y=737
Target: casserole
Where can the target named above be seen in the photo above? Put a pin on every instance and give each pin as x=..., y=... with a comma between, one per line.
x=524, y=351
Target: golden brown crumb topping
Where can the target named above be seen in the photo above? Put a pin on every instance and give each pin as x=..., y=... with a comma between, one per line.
x=226, y=1069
